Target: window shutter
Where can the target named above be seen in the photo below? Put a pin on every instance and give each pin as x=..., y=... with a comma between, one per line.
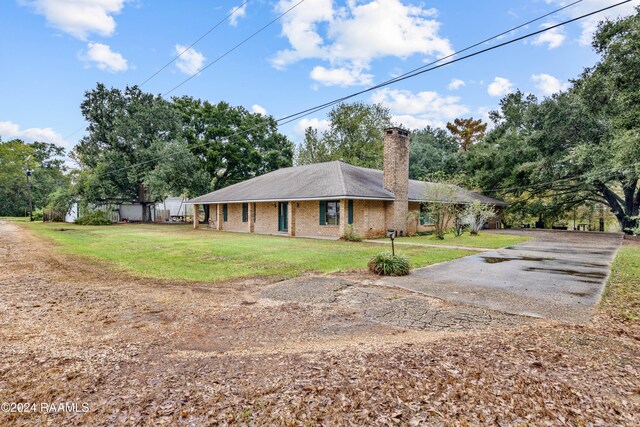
x=323, y=209
x=224, y=212
x=254, y=212
x=350, y=204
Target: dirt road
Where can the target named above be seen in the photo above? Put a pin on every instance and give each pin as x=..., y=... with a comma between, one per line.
x=143, y=352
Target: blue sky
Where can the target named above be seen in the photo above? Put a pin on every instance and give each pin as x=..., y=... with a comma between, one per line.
x=51, y=51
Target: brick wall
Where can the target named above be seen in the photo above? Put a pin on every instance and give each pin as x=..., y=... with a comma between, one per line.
x=308, y=220
x=266, y=218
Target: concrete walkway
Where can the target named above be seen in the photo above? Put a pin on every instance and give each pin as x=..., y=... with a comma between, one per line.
x=558, y=276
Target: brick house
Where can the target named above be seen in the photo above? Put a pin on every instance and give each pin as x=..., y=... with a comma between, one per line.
x=321, y=200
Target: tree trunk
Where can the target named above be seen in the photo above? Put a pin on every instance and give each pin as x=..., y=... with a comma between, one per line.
x=624, y=210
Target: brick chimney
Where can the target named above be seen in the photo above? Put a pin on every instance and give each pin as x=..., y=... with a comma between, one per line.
x=396, y=176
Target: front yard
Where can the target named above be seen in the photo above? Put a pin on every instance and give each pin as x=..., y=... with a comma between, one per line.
x=178, y=252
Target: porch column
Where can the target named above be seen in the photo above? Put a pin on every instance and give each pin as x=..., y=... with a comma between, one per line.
x=212, y=215
x=344, y=216
x=219, y=217
x=291, y=208
x=250, y=225
x=196, y=216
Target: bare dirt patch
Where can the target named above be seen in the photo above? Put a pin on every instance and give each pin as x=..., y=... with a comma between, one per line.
x=330, y=351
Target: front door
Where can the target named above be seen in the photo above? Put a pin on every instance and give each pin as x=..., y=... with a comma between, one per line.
x=283, y=219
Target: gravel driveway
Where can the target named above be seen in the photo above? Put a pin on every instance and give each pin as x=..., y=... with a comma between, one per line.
x=558, y=275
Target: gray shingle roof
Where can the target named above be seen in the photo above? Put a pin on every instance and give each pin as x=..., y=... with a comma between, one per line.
x=329, y=180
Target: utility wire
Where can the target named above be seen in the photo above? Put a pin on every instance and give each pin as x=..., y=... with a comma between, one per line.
x=209, y=31
x=233, y=12
x=303, y=113
x=237, y=46
x=422, y=70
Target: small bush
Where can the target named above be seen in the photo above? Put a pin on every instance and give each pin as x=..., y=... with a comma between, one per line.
x=37, y=215
x=385, y=264
x=350, y=235
x=94, y=218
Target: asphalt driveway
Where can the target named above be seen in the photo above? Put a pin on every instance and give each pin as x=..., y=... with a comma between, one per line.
x=559, y=275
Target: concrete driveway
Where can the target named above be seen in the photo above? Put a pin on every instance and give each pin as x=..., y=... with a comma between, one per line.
x=559, y=275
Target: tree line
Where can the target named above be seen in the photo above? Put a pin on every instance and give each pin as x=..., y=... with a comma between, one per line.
x=544, y=156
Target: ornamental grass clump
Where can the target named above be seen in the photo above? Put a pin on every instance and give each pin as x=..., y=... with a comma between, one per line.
x=386, y=264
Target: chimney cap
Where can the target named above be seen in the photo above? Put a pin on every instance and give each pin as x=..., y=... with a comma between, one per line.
x=396, y=129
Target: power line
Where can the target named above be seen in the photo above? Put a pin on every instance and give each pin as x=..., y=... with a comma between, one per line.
x=421, y=70
x=236, y=46
x=413, y=73
x=233, y=12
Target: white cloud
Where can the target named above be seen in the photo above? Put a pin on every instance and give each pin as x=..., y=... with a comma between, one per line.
x=350, y=37
x=240, y=12
x=499, y=87
x=590, y=24
x=320, y=124
x=547, y=84
x=10, y=130
x=416, y=110
x=259, y=109
x=104, y=58
x=340, y=76
x=191, y=61
x=553, y=38
x=456, y=84
x=78, y=17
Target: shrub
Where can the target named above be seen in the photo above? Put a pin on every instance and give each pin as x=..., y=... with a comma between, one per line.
x=350, y=235
x=386, y=264
x=37, y=214
x=94, y=218
x=476, y=214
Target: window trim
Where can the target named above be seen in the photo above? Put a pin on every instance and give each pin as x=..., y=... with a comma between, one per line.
x=324, y=204
x=425, y=217
x=245, y=212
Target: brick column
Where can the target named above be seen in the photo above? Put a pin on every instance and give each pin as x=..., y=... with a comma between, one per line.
x=291, y=213
x=250, y=226
x=219, y=216
x=196, y=216
x=344, y=217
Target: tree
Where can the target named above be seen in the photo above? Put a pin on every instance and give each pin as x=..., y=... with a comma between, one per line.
x=475, y=215
x=432, y=151
x=467, y=131
x=577, y=146
x=134, y=151
x=49, y=172
x=441, y=203
x=313, y=149
x=354, y=136
x=231, y=143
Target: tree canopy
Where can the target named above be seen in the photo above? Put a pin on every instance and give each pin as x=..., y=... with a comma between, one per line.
x=354, y=136
x=47, y=163
x=231, y=143
x=143, y=148
x=576, y=146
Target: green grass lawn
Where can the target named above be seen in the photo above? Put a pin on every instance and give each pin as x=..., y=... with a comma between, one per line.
x=483, y=240
x=179, y=252
x=622, y=295
x=13, y=218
